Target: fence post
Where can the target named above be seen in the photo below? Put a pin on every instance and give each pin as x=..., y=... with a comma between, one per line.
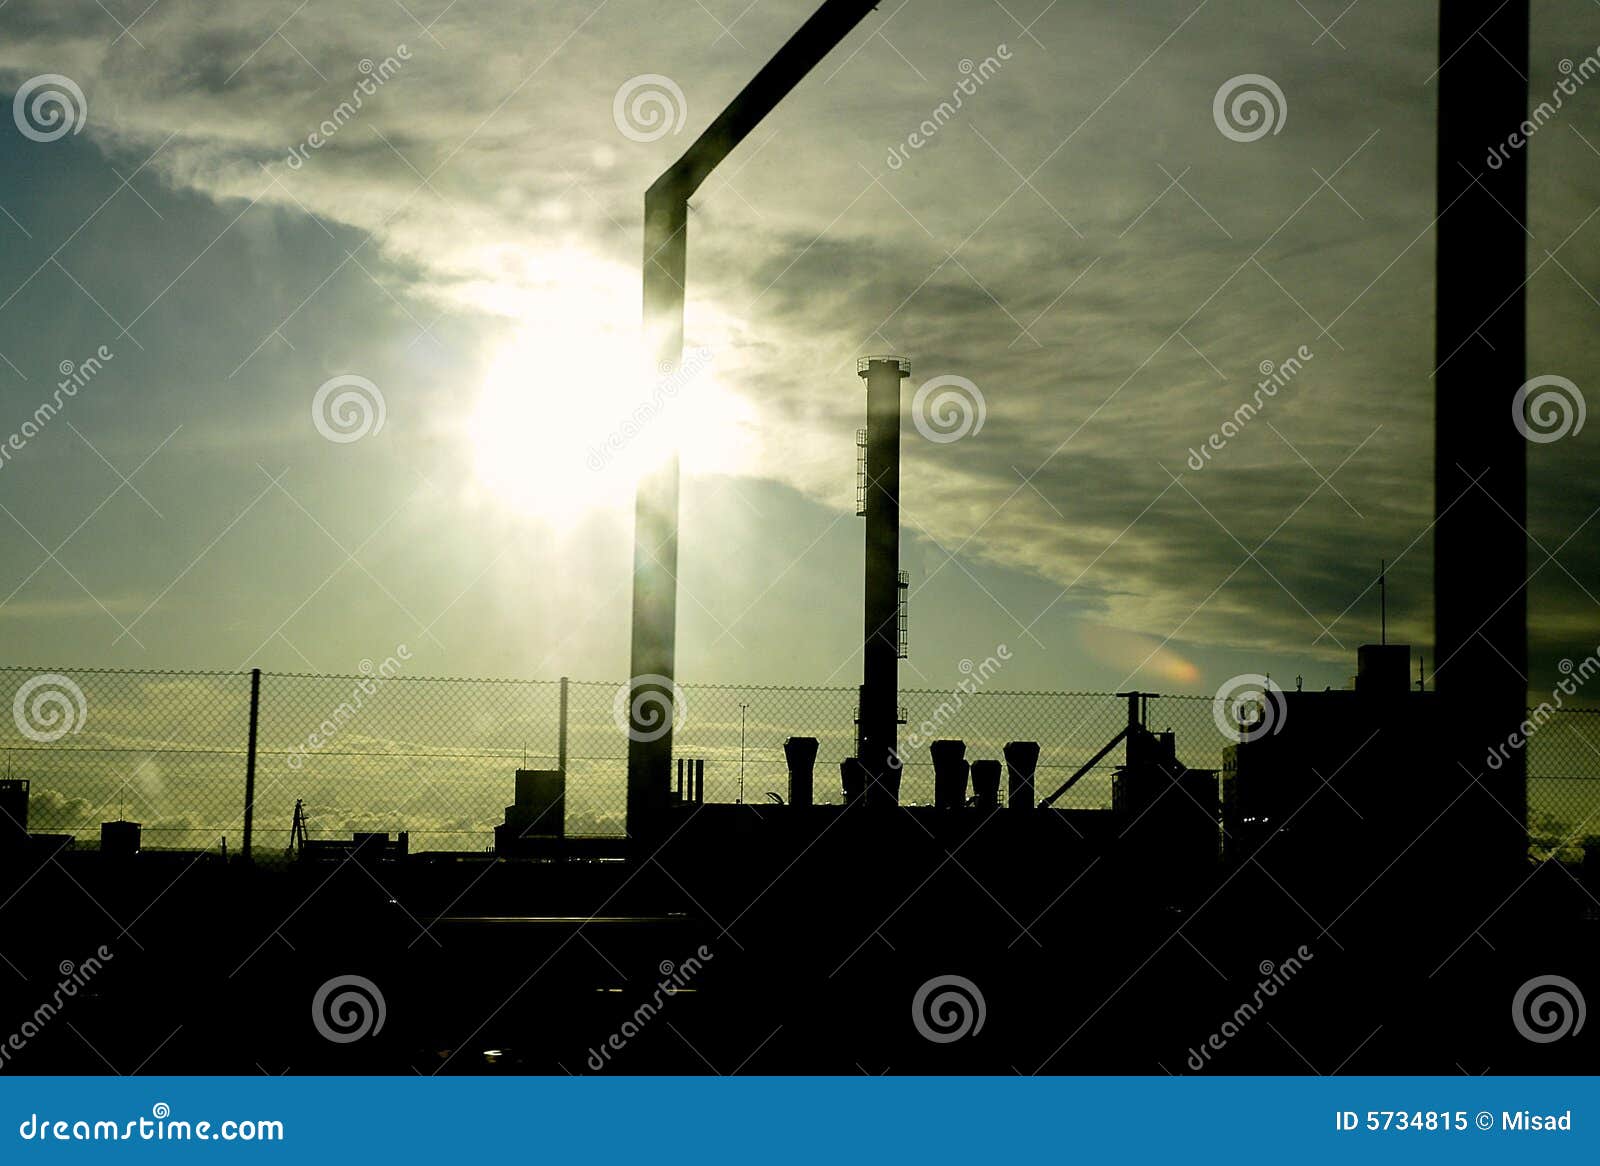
x=250, y=765
x=561, y=740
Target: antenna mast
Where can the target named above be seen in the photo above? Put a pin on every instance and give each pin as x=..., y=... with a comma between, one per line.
x=1383, y=602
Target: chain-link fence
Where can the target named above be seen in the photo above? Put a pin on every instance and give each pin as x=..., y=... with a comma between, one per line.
x=1564, y=783
x=436, y=757
x=163, y=748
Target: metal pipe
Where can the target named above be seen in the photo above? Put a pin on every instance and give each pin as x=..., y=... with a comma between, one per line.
x=801, y=755
x=250, y=765
x=655, y=537
x=1022, y=760
x=950, y=772
x=1085, y=768
x=561, y=735
x=986, y=784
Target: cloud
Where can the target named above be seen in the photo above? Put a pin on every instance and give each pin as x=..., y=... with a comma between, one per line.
x=1078, y=240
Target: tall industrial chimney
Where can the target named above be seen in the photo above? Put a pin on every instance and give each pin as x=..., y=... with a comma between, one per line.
x=1480, y=558
x=878, y=720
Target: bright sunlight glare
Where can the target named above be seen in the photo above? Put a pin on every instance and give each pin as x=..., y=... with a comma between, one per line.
x=571, y=413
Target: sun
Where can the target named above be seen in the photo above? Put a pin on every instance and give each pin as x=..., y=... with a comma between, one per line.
x=570, y=413
x=548, y=410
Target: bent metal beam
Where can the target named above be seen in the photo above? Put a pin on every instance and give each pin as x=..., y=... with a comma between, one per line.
x=655, y=536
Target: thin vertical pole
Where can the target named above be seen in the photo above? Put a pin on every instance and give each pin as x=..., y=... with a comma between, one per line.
x=1383, y=601
x=742, y=707
x=561, y=744
x=250, y=765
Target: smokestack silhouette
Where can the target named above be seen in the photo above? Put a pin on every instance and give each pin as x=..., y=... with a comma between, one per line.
x=1022, y=759
x=950, y=771
x=877, y=723
x=801, y=755
x=1480, y=456
x=986, y=783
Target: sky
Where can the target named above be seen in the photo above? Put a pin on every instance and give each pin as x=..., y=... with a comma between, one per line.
x=1104, y=260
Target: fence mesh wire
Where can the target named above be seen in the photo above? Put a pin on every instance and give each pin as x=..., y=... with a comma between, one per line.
x=163, y=748
x=436, y=757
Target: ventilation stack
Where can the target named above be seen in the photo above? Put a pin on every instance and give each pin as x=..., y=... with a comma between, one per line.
x=1480, y=560
x=801, y=755
x=877, y=722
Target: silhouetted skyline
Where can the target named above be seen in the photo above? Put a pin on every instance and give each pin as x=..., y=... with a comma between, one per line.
x=1216, y=411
